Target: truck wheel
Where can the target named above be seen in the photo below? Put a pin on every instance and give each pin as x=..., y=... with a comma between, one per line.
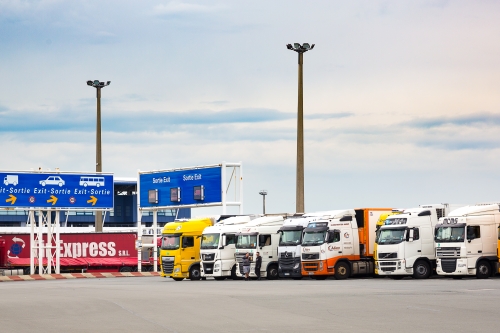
x=421, y=270
x=272, y=272
x=178, y=279
x=219, y=278
x=342, y=271
x=483, y=270
x=125, y=269
x=194, y=273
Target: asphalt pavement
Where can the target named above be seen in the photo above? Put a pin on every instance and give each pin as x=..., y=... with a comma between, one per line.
x=155, y=304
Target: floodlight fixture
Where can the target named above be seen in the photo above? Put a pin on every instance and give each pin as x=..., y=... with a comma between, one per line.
x=300, y=48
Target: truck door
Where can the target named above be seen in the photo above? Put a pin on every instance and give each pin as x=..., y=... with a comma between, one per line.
x=473, y=244
x=412, y=246
x=266, y=250
x=187, y=253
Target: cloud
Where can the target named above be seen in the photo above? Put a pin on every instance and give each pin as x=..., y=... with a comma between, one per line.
x=467, y=120
x=176, y=7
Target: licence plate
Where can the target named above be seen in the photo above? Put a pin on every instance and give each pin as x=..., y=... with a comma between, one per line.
x=287, y=273
x=311, y=273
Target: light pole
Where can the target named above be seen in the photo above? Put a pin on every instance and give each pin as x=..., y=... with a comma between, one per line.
x=98, y=164
x=263, y=193
x=299, y=191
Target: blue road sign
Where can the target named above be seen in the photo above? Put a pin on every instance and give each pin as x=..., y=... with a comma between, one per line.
x=56, y=190
x=190, y=187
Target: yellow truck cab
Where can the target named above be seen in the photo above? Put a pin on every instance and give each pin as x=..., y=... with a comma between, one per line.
x=180, y=248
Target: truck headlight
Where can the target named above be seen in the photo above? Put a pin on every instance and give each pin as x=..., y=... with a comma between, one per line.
x=216, y=266
x=297, y=265
x=320, y=265
x=462, y=265
x=177, y=270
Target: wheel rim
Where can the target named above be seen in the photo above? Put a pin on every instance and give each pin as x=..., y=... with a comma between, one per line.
x=421, y=270
x=483, y=269
x=195, y=273
x=342, y=270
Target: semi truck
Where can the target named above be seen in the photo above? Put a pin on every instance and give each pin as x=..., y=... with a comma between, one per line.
x=180, y=248
x=218, y=247
x=405, y=243
x=467, y=242
x=260, y=235
x=380, y=223
x=341, y=244
x=289, y=248
x=81, y=250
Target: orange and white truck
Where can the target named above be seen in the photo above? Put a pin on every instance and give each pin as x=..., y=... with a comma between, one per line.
x=341, y=244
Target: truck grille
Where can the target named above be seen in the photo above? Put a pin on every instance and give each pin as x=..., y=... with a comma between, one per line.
x=286, y=259
x=208, y=256
x=168, y=265
x=310, y=267
x=387, y=263
x=388, y=255
x=448, y=252
x=310, y=256
x=208, y=268
x=448, y=265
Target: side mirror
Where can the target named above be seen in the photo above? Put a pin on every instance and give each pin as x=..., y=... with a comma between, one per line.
x=223, y=240
x=410, y=233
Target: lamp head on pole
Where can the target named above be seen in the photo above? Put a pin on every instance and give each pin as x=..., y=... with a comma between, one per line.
x=98, y=84
x=300, y=48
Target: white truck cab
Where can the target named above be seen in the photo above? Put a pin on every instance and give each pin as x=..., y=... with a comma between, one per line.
x=405, y=243
x=218, y=246
x=466, y=242
x=260, y=235
x=289, y=249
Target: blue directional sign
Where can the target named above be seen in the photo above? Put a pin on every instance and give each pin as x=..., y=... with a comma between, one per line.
x=190, y=187
x=56, y=190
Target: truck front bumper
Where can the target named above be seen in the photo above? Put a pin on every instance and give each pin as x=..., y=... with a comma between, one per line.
x=392, y=267
x=316, y=267
x=213, y=269
x=453, y=266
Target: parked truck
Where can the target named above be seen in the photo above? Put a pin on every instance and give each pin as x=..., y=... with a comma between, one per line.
x=260, y=235
x=218, y=247
x=467, y=242
x=378, y=226
x=82, y=250
x=180, y=248
x=405, y=243
x=341, y=244
x=289, y=249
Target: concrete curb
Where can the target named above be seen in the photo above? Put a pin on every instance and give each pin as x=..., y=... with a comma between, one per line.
x=36, y=277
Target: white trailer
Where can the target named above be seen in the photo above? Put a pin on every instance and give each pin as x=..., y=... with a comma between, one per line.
x=218, y=246
x=405, y=243
x=467, y=241
x=260, y=235
x=289, y=249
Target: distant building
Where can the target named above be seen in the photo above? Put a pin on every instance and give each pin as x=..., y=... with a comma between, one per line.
x=124, y=213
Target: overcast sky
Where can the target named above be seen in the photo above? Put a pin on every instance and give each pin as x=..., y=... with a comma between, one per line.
x=401, y=98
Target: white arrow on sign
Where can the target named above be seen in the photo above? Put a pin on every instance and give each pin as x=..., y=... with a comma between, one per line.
x=15, y=239
x=8, y=255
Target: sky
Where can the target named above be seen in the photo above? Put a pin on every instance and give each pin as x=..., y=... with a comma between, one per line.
x=401, y=98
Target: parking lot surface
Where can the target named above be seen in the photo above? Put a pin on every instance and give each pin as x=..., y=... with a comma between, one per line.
x=162, y=305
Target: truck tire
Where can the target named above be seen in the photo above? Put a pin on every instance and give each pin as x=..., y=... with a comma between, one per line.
x=421, y=270
x=125, y=269
x=272, y=272
x=178, y=279
x=342, y=270
x=483, y=270
x=194, y=273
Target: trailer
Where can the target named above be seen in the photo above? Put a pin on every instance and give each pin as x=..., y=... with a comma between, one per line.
x=84, y=251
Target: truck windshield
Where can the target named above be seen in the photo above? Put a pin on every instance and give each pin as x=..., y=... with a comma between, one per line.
x=314, y=238
x=246, y=241
x=391, y=236
x=450, y=234
x=170, y=242
x=290, y=237
x=210, y=241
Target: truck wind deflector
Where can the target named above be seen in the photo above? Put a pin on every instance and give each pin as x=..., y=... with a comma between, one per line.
x=292, y=228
